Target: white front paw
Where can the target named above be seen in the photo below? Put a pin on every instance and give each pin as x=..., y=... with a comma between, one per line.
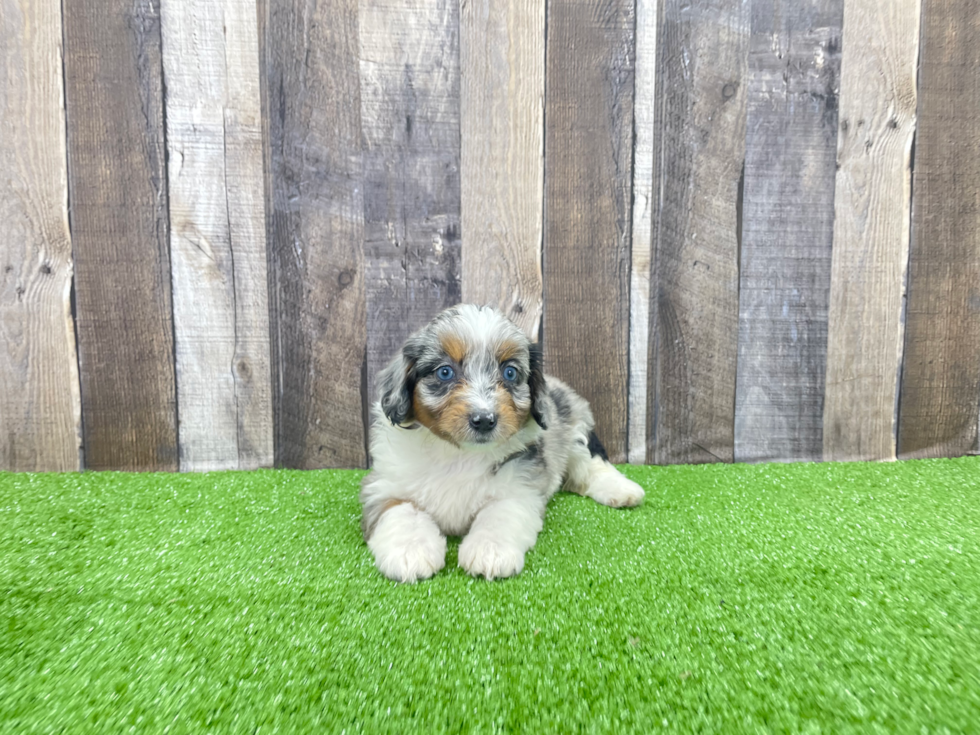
x=407, y=545
x=612, y=489
x=493, y=559
x=412, y=562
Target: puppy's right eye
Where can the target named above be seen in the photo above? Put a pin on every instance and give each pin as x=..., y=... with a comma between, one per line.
x=445, y=373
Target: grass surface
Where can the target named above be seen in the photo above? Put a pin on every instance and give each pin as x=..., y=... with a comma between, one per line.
x=811, y=597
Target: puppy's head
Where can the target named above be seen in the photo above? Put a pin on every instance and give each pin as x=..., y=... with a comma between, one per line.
x=470, y=376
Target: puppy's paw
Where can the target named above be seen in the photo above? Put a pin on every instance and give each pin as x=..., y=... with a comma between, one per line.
x=408, y=545
x=413, y=562
x=613, y=489
x=480, y=555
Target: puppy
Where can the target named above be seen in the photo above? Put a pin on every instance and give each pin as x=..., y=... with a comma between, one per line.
x=470, y=438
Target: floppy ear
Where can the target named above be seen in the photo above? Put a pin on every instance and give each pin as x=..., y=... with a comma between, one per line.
x=535, y=382
x=396, y=386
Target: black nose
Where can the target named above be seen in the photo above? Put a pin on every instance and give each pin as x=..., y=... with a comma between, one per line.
x=483, y=422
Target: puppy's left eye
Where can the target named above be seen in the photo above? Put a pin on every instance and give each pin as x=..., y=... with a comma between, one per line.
x=445, y=373
x=510, y=373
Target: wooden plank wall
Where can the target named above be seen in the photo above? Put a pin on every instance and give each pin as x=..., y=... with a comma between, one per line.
x=941, y=375
x=121, y=234
x=587, y=199
x=872, y=219
x=217, y=234
x=409, y=65
x=502, y=136
x=787, y=228
x=40, y=405
x=746, y=230
x=316, y=256
x=698, y=168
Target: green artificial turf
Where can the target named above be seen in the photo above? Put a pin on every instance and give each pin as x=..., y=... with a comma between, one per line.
x=809, y=597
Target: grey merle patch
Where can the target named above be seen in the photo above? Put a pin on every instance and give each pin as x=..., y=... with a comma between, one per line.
x=531, y=454
x=595, y=446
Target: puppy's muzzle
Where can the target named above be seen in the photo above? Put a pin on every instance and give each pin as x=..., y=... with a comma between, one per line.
x=483, y=423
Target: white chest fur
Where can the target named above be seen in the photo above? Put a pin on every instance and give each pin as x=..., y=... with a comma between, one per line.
x=451, y=484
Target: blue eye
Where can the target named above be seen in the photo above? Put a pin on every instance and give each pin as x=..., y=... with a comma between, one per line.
x=445, y=373
x=510, y=373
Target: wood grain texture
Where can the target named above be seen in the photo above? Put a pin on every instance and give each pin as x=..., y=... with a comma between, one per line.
x=217, y=234
x=502, y=186
x=787, y=229
x=39, y=394
x=702, y=67
x=588, y=184
x=644, y=120
x=941, y=374
x=872, y=200
x=409, y=65
x=316, y=255
x=118, y=185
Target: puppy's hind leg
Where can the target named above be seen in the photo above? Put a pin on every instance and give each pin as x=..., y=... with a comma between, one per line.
x=591, y=474
x=406, y=543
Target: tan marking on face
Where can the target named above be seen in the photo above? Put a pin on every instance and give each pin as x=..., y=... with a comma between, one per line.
x=508, y=351
x=435, y=419
x=454, y=347
x=450, y=420
x=422, y=413
x=510, y=418
x=453, y=419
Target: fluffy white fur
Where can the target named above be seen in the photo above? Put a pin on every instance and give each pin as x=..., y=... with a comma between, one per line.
x=424, y=487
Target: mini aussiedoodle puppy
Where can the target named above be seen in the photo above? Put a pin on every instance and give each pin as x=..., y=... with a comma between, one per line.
x=470, y=438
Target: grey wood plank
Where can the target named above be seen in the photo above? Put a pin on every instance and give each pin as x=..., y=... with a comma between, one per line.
x=409, y=65
x=316, y=252
x=118, y=186
x=699, y=164
x=39, y=393
x=941, y=374
x=871, y=228
x=787, y=229
x=217, y=234
x=502, y=156
x=644, y=125
x=588, y=191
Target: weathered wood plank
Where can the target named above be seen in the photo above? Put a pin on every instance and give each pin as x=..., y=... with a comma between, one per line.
x=871, y=228
x=699, y=165
x=644, y=114
x=588, y=183
x=217, y=234
x=39, y=393
x=941, y=373
x=409, y=67
x=317, y=258
x=787, y=229
x=502, y=187
x=114, y=98
x=262, y=12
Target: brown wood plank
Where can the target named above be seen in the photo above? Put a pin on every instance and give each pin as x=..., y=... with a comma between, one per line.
x=117, y=177
x=39, y=394
x=698, y=169
x=316, y=259
x=941, y=373
x=787, y=229
x=502, y=187
x=217, y=234
x=409, y=64
x=588, y=183
x=871, y=228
